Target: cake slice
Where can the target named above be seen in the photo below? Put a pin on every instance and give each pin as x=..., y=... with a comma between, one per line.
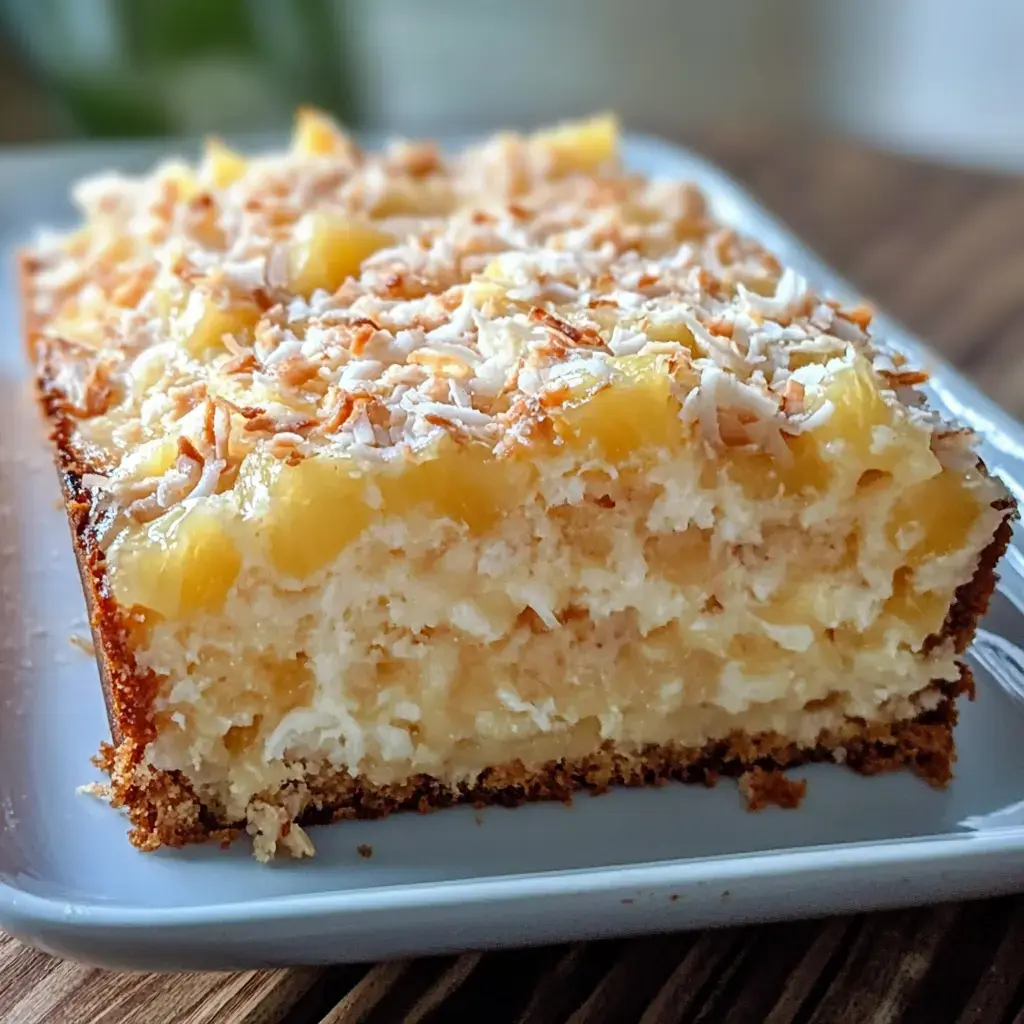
x=399, y=480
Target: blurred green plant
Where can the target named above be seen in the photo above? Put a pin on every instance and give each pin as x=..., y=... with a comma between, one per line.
x=156, y=67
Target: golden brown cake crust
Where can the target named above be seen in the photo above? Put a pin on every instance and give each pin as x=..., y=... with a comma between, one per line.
x=127, y=694
x=164, y=810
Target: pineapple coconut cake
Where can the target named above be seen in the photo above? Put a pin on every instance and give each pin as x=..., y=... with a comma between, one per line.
x=403, y=479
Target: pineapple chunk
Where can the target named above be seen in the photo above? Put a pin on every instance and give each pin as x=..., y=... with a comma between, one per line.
x=222, y=166
x=310, y=512
x=808, y=471
x=179, y=564
x=200, y=329
x=582, y=146
x=153, y=458
x=316, y=134
x=677, y=332
x=463, y=483
x=935, y=516
x=924, y=612
x=755, y=472
x=490, y=285
x=328, y=248
x=637, y=410
x=865, y=433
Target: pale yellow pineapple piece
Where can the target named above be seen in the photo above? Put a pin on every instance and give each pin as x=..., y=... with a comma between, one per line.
x=152, y=458
x=638, y=411
x=180, y=564
x=484, y=292
x=465, y=483
x=307, y=514
x=934, y=517
x=317, y=134
x=762, y=477
x=865, y=433
x=863, y=437
x=491, y=286
x=328, y=248
x=200, y=329
x=924, y=612
x=222, y=166
x=581, y=146
x=634, y=411
x=677, y=332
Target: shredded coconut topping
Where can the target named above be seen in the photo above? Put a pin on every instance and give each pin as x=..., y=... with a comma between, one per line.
x=343, y=304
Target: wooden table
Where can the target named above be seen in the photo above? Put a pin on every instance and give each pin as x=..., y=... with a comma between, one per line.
x=941, y=249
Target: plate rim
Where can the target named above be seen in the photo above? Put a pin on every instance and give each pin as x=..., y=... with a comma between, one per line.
x=832, y=859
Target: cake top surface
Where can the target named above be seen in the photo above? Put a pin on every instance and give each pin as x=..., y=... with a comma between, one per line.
x=326, y=300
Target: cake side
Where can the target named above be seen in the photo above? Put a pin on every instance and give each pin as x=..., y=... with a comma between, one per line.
x=165, y=811
x=642, y=458
x=127, y=694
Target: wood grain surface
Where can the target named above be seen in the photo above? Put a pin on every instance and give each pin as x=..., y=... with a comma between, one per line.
x=943, y=251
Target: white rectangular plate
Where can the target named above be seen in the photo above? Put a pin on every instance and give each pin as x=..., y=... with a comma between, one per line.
x=629, y=862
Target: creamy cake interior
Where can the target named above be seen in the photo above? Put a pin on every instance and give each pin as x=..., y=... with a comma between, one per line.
x=406, y=465
x=538, y=608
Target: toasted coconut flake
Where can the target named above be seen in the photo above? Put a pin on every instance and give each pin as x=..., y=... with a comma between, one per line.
x=860, y=315
x=578, y=336
x=96, y=482
x=811, y=421
x=904, y=378
x=793, y=398
x=454, y=414
x=475, y=320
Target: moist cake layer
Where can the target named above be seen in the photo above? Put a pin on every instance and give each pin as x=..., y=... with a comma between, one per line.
x=402, y=467
x=562, y=626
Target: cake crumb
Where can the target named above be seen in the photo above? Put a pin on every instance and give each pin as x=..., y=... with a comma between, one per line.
x=270, y=828
x=365, y=850
x=82, y=643
x=100, y=790
x=759, y=788
x=297, y=843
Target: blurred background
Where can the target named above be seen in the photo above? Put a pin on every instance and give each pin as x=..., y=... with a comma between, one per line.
x=942, y=78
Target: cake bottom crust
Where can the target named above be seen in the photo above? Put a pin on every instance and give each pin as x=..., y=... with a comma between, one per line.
x=165, y=810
